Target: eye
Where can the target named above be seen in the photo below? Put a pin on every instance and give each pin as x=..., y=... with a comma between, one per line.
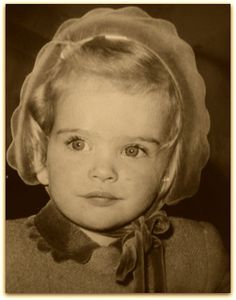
x=77, y=144
x=135, y=151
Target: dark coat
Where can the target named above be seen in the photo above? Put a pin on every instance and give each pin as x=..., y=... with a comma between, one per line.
x=195, y=262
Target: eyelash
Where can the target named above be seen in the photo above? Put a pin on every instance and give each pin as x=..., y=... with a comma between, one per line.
x=72, y=139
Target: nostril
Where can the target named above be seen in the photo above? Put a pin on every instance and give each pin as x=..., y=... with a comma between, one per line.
x=103, y=174
x=104, y=178
x=110, y=178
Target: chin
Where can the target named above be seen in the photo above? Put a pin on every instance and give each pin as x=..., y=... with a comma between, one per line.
x=102, y=226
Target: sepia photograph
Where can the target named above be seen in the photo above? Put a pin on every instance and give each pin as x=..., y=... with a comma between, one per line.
x=117, y=149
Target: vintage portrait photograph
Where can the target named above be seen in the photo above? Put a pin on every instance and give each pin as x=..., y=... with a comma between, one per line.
x=117, y=149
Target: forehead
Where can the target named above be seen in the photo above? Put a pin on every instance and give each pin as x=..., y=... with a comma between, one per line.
x=95, y=103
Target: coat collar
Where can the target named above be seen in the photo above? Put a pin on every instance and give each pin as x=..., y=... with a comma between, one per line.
x=56, y=233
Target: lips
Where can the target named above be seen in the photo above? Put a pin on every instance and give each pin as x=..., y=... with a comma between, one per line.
x=99, y=198
x=99, y=194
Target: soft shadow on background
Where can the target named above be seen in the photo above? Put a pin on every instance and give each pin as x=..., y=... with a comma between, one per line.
x=205, y=27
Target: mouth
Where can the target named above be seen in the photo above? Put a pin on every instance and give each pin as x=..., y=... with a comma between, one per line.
x=99, y=198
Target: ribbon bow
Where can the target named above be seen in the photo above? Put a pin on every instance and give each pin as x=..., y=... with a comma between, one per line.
x=142, y=253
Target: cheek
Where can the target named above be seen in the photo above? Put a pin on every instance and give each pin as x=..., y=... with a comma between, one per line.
x=143, y=178
x=60, y=174
x=62, y=165
x=66, y=175
x=143, y=170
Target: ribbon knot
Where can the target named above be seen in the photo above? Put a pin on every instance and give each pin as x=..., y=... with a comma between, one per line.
x=142, y=253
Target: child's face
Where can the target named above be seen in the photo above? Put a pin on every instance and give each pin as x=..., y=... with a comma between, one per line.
x=104, y=167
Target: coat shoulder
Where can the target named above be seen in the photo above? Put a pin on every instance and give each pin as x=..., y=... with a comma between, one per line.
x=196, y=249
x=22, y=257
x=15, y=231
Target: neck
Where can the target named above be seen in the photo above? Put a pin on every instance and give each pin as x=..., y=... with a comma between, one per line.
x=97, y=237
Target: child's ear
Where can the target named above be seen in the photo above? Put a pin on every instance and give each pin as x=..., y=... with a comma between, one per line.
x=42, y=176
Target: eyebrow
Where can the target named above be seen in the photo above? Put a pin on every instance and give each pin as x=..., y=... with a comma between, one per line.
x=146, y=139
x=66, y=130
x=71, y=130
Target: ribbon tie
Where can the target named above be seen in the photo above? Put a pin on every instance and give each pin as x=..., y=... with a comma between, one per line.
x=142, y=254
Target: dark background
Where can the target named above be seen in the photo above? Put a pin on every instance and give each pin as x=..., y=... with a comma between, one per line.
x=205, y=27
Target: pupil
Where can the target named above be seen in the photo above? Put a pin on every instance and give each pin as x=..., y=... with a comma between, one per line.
x=78, y=145
x=132, y=151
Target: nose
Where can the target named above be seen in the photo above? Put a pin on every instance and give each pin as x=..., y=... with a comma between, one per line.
x=103, y=172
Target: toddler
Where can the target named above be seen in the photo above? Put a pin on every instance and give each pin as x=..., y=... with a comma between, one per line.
x=112, y=121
